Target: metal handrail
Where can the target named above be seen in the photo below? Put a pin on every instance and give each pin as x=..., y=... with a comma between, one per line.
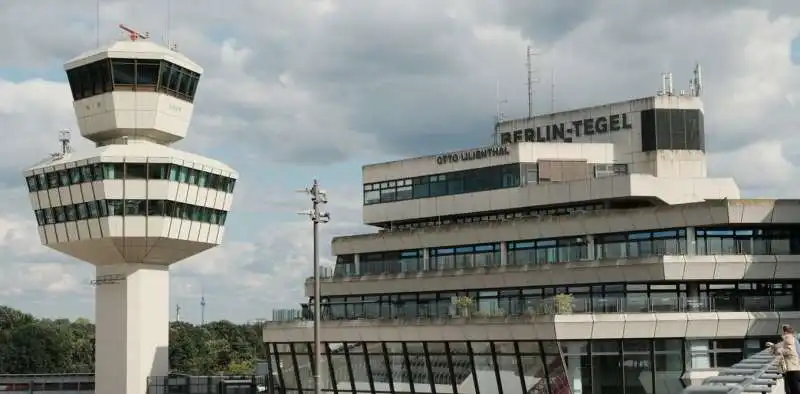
x=755, y=374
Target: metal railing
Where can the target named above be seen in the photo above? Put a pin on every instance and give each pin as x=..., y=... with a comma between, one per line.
x=755, y=374
x=528, y=307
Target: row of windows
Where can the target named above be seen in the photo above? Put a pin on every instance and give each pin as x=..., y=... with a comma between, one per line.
x=561, y=210
x=467, y=181
x=458, y=182
x=31, y=387
x=601, y=298
x=627, y=366
x=138, y=171
x=103, y=208
x=783, y=240
x=144, y=75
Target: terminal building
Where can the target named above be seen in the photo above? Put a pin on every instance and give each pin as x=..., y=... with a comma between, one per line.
x=587, y=251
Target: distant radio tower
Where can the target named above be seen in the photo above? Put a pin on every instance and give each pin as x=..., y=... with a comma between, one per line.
x=178, y=312
x=202, y=310
x=532, y=78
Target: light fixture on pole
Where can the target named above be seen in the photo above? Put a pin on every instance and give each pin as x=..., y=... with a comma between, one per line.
x=318, y=197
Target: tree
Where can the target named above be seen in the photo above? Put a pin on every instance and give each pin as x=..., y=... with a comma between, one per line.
x=30, y=345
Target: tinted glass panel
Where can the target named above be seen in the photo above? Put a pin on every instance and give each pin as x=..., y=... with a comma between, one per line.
x=672, y=129
x=124, y=71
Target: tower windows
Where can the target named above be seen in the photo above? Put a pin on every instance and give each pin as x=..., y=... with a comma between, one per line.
x=131, y=171
x=142, y=75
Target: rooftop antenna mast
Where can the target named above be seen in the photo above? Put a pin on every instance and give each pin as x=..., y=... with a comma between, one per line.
x=696, y=83
x=532, y=78
x=133, y=34
x=64, y=138
x=97, y=21
x=498, y=117
x=553, y=91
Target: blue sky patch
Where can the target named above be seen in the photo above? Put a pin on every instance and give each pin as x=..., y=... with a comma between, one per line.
x=18, y=74
x=795, y=51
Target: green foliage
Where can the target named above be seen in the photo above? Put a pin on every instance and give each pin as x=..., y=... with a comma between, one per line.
x=30, y=345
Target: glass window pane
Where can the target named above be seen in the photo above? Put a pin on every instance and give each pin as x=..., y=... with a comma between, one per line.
x=115, y=207
x=75, y=175
x=83, y=212
x=146, y=72
x=135, y=171
x=71, y=214
x=157, y=171
x=124, y=71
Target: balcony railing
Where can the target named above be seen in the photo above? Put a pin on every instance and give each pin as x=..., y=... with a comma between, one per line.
x=755, y=374
x=564, y=304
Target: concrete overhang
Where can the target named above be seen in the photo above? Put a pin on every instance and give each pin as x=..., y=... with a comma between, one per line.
x=653, y=269
x=706, y=213
x=670, y=191
x=558, y=327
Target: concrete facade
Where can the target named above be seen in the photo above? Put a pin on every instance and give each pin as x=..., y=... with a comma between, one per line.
x=651, y=269
x=594, y=233
x=719, y=212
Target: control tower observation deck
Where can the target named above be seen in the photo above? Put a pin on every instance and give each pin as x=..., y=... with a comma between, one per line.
x=133, y=205
x=635, y=153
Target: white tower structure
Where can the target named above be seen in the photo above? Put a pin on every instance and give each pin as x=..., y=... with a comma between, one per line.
x=133, y=205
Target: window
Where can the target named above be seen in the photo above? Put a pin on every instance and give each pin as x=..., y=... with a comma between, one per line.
x=147, y=73
x=94, y=210
x=132, y=74
x=124, y=72
x=469, y=181
x=63, y=178
x=135, y=171
x=83, y=211
x=192, y=177
x=115, y=207
x=113, y=170
x=155, y=208
x=32, y=186
x=40, y=217
x=678, y=129
x=52, y=180
x=75, y=175
x=135, y=207
x=61, y=215
x=157, y=171
x=465, y=257
x=71, y=214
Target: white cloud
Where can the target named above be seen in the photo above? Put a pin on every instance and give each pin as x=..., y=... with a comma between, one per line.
x=327, y=81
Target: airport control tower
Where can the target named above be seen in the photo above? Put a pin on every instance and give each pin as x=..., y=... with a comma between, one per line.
x=132, y=205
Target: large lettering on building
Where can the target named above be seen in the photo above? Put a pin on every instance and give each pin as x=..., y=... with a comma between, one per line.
x=566, y=131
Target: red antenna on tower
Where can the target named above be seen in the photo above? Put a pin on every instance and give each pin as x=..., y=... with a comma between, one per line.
x=134, y=35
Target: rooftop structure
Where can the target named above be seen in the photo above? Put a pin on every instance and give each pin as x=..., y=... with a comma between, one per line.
x=587, y=251
x=133, y=205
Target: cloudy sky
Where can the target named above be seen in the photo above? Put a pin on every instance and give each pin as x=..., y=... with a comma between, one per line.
x=298, y=89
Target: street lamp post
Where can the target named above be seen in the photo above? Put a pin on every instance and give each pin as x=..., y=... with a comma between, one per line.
x=318, y=197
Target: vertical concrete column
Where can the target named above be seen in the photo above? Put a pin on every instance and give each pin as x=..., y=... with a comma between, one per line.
x=503, y=253
x=574, y=367
x=426, y=259
x=132, y=331
x=591, y=254
x=691, y=242
x=357, y=264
